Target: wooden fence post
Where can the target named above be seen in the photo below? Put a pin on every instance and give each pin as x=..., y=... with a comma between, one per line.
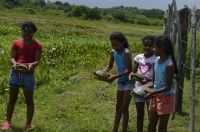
x=193, y=68
x=167, y=28
x=176, y=85
x=182, y=47
x=164, y=32
x=169, y=23
x=173, y=38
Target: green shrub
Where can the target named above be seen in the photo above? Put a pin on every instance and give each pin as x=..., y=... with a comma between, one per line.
x=108, y=18
x=156, y=22
x=130, y=20
x=142, y=20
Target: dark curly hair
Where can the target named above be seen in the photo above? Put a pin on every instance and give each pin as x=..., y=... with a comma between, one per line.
x=165, y=43
x=149, y=37
x=119, y=36
x=26, y=25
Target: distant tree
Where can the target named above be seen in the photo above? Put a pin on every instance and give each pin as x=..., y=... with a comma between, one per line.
x=66, y=4
x=93, y=14
x=7, y=4
x=153, y=13
x=68, y=9
x=59, y=3
x=120, y=16
x=78, y=11
x=42, y=3
x=118, y=13
x=104, y=12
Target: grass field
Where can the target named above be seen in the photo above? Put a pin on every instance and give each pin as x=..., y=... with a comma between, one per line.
x=67, y=98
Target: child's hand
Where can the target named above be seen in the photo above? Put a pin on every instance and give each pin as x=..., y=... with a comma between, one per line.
x=111, y=78
x=144, y=81
x=15, y=64
x=149, y=95
x=129, y=77
x=30, y=66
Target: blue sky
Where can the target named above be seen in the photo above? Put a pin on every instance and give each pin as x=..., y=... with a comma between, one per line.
x=142, y=4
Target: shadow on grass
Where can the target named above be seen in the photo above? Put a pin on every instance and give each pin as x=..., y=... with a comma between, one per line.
x=182, y=113
x=20, y=129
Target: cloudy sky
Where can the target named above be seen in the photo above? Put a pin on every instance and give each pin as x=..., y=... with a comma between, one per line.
x=144, y=4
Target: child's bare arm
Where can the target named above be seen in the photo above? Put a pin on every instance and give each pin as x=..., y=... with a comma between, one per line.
x=135, y=67
x=37, y=60
x=110, y=64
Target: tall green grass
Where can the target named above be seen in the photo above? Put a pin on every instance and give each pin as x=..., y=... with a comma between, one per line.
x=67, y=98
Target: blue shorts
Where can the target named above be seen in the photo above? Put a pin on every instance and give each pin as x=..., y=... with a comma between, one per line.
x=125, y=85
x=23, y=80
x=141, y=100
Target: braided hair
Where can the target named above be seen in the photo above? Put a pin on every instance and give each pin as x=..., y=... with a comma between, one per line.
x=119, y=36
x=165, y=43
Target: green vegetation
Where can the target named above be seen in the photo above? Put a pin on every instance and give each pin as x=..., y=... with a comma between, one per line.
x=67, y=98
x=132, y=15
x=117, y=14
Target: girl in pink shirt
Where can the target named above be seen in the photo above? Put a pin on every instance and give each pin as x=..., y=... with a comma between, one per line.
x=143, y=64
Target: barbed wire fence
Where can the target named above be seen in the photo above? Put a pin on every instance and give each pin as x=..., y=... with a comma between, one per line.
x=178, y=27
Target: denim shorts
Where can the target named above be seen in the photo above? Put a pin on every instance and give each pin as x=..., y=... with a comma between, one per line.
x=125, y=85
x=23, y=80
x=141, y=100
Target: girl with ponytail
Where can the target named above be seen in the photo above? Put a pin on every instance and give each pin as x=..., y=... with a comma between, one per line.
x=122, y=57
x=162, y=97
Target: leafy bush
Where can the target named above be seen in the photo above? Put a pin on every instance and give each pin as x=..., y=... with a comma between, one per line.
x=132, y=21
x=120, y=16
x=93, y=14
x=142, y=20
x=86, y=13
x=156, y=22
x=78, y=11
x=108, y=17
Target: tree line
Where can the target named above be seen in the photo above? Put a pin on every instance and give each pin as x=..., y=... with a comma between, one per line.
x=131, y=15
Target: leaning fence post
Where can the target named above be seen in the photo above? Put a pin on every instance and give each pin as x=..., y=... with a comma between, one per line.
x=176, y=85
x=193, y=68
x=173, y=38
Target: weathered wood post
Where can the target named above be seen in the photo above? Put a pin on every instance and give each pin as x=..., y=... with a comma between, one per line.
x=193, y=67
x=173, y=38
x=182, y=48
x=165, y=29
x=176, y=86
x=170, y=20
